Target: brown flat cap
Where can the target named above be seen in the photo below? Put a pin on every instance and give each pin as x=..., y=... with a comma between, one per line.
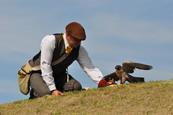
x=76, y=30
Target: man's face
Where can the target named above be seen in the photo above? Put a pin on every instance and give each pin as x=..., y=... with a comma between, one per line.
x=73, y=42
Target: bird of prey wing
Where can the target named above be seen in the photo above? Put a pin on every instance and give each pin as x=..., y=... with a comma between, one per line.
x=129, y=67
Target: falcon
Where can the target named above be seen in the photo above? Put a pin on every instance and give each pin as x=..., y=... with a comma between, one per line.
x=122, y=73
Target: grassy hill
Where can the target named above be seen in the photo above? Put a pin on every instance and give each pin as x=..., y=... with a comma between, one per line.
x=132, y=99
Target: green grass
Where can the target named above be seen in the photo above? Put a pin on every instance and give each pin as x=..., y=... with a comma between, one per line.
x=151, y=98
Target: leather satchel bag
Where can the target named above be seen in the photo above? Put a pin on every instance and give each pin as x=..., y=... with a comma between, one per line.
x=23, y=78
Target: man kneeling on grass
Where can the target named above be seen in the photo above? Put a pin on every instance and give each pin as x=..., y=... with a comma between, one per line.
x=65, y=48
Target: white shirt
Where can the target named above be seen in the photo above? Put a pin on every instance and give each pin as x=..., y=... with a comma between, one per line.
x=47, y=48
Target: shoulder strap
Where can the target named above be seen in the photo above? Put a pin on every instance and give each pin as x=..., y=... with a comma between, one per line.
x=59, y=59
x=36, y=68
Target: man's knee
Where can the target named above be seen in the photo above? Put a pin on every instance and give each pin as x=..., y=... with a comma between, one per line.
x=72, y=85
x=38, y=85
x=42, y=92
x=34, y=94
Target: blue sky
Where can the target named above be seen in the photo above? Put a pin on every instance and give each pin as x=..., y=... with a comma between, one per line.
x=117, y=30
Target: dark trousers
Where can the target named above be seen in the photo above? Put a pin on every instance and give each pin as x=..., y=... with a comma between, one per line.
x=63, y=83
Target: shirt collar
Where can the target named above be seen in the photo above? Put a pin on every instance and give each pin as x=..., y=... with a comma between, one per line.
x=65, y=41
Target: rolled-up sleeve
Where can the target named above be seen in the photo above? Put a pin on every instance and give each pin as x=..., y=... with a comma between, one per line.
x=47, y=48
x=86, y=64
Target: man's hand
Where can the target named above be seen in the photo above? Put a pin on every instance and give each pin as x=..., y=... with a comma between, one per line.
x=57, y=93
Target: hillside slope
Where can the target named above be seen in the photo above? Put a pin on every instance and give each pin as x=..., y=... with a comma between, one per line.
x=133, y=99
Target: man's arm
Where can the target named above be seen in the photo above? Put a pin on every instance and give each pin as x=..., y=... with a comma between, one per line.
x=47, y=48
x=87, y=65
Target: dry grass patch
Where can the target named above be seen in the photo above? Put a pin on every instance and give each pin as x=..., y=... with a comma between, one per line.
x=133, y=99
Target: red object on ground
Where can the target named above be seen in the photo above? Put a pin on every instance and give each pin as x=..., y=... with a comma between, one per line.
x=102, y=83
